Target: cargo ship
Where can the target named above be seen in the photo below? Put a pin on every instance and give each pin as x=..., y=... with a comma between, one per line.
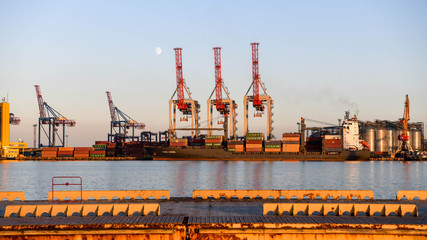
x=344, y=145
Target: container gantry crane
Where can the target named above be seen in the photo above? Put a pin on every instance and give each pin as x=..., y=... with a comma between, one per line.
x=226, y=107
x=257, y=99
x=187, y=106
x=121, y=123
x=49, y=116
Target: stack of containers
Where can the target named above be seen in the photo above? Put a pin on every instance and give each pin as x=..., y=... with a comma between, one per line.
x=273, y=146
x=49, y=152
x=235, y=146
x=111, y=150
x=254, y=142
x=65, y=152
x=313, y=144
x=213, y=140
x=178, y=142
x=332, y=143
x=133, y=149
x=291, y=142
x=197, y=142
x=81, y=152
x=98, y=150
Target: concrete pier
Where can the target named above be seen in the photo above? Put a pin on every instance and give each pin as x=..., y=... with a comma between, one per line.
x=188, y=218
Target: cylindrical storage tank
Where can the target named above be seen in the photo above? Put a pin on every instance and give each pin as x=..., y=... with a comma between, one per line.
x=416, y=140
x=410, y=138
x=380, y=140
x=396, y=141
x=369, y=137
x=389, y=140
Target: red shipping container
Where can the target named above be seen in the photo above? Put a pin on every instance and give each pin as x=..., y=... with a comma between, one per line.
x=290, y=135
x=253, y=141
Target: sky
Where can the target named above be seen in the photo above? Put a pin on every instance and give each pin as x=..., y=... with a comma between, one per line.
x=317, y=59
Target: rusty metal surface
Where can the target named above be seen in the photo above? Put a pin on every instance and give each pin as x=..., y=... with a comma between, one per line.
x=306, y=220
x=69, y=221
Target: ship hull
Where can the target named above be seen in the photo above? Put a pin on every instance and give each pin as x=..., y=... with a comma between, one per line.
x=176, y=153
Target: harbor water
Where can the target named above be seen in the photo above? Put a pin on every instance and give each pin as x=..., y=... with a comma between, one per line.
x=385, y=178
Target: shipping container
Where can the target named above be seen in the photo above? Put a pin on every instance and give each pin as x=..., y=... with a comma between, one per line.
x=50, y=149
x=178, y=144
x=332, y=136
x=213, y=137
x=273, y=149
x=253, y=149
x=254, y=142
x=332, y=141
x=291, y=142
x=253, y=145
x=235, y=142
x=66, y=149
x=291, y=135
x=82, y=148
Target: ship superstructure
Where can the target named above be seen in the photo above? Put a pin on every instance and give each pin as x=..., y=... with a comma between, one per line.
x=351, y=136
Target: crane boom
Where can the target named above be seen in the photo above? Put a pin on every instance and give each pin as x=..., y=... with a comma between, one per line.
x=179, y=79
x=404, y=137
x=255, y=76
x=40, y=101
x=218, y=79
x=111, y=106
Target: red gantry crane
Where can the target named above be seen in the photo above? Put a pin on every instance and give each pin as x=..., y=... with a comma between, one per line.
x=188, y=107
x=52, y=118
x=257, y=100
x=226, y=107
x=120, y=123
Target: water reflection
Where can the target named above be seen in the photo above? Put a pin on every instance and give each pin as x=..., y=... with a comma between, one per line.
x=182, y=177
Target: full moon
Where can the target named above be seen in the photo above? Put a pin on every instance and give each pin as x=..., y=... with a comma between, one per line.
x=158, y=50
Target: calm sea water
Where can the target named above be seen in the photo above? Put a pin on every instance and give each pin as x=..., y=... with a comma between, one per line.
x=182, y=177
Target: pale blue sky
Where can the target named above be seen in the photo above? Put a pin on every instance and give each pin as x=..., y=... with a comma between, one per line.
x=317, y=59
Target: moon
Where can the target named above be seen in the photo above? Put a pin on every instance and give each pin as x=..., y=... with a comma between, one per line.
x=158, y=50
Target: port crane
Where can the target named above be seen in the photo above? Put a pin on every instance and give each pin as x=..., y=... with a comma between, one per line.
x=53, y=119
x=258, y=101
x=225, y=106
x=120, y=124
x=188, y=107
x=405, y=149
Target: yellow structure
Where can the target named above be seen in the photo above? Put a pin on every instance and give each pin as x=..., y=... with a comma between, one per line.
x=83, y=209
x=338, y=209
x=288, y=194
x=4, y=124
x=110, y=195
x=8, y=149
x=12, y=196
x=411, y=194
